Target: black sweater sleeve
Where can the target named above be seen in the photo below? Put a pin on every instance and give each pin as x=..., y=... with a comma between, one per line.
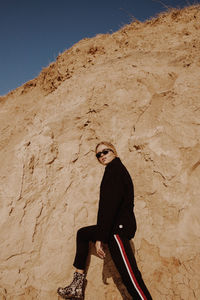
x=111, y=195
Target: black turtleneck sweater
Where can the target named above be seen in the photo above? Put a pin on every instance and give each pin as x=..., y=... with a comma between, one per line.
x=115, y=213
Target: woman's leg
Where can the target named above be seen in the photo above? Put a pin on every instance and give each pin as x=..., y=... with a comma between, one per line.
x=76, y=288
x=83, y=237
x=125, y=262
x=79, y=271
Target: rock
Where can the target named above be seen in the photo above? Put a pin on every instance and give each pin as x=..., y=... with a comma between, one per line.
x=138, y=88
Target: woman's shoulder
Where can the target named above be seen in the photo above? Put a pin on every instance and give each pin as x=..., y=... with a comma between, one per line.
x=117, y=171
x=116, y=162
x=115, y=166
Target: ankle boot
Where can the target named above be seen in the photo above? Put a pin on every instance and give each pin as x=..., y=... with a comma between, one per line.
x=75, y=289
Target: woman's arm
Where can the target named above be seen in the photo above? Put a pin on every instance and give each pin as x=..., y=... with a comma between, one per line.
x=111, y=195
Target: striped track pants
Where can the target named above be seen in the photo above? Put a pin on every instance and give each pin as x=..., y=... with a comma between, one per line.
x=122, y=256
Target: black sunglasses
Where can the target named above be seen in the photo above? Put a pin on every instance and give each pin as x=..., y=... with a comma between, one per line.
x=104, y=152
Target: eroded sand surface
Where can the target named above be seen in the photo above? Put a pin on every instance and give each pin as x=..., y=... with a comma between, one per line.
x=140, y=89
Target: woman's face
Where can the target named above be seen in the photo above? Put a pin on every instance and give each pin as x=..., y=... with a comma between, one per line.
x=104, y=159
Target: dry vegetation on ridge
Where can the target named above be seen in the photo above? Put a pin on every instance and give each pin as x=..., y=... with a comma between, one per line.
x=150, y=36
x=138, y=87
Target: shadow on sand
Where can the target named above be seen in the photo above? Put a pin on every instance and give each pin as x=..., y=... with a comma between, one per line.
x=110, y=271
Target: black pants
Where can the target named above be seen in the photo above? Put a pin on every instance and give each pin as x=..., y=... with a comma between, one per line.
x=122, y=255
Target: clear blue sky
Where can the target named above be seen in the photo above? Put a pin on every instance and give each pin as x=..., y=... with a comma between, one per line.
x=34, y=32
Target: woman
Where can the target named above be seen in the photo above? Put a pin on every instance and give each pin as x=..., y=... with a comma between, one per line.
x=115, y=227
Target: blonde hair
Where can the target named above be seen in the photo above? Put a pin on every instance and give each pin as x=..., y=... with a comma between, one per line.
x=108, y=144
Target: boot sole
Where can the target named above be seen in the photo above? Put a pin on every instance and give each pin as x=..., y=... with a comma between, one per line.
x=71, y=297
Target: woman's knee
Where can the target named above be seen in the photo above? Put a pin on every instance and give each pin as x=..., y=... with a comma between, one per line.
x=86, y=233
x=81, y=232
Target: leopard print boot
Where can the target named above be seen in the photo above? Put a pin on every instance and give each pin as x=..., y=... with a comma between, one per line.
x=75, y=290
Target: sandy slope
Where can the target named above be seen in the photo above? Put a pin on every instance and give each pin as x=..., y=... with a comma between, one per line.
x=138, y=88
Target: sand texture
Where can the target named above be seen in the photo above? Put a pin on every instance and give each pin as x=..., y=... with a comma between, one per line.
x=140, y=89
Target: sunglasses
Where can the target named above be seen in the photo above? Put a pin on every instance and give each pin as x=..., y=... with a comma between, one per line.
x=104, y=152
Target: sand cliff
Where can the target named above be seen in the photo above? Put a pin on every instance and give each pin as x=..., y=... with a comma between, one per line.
x=138, y=88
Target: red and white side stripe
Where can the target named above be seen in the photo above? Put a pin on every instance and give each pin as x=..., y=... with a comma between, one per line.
x=128, y=267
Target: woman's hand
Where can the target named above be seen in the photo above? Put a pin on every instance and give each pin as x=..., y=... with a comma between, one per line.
x=99, y=249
